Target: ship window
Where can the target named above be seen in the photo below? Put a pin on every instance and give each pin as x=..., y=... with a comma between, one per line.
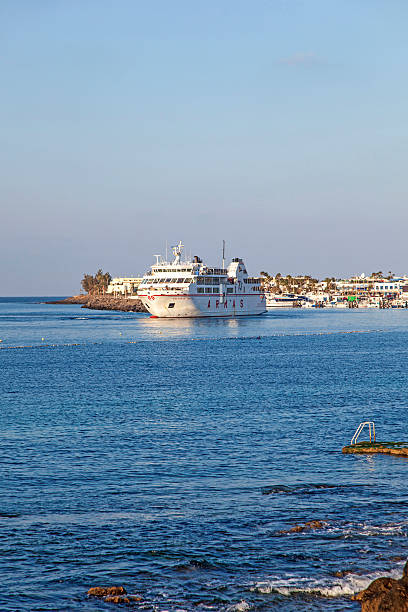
x=171, y=305
x=180, y=280
x=200, y=289
x=208, y=289
x=229, y=290
x=216, y=289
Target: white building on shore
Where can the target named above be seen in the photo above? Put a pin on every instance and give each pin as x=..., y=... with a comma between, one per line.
x=373, y=286
x=126, y=286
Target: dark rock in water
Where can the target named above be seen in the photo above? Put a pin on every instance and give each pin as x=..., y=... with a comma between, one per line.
x=122, y=599
x=106, y=591
x=115, y=594
x=385, y=595
x=385, y=448
x=306, y=527
x=342, y=573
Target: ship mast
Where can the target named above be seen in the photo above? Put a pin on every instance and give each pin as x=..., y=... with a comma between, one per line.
x=177, y=252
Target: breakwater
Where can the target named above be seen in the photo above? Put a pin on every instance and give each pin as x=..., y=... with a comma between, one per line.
x=104, y=302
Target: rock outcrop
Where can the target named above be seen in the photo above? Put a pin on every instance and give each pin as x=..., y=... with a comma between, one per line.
x=376, y=448
x=385, y=595
x=386, y=448
x=310, y=525
x=115, y=594
x=104, y=302
x=106, y=591
x=75, y=299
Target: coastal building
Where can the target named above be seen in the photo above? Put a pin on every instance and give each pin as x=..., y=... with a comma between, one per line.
x=355, y=284
x=126, y=286
x=360, y=285
x=394, y=286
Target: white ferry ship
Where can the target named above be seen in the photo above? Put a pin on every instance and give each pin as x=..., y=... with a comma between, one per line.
x=191, y=289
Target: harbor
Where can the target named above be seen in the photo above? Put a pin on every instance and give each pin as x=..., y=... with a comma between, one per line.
x=204, y=307
x=373, y=291
x=189, y=288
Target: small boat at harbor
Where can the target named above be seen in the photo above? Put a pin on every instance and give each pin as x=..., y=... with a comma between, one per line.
x=284, y=300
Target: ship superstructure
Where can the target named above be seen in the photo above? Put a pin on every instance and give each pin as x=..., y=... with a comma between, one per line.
x=192, y=289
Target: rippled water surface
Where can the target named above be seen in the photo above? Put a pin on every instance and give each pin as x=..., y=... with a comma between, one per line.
x=173, y=457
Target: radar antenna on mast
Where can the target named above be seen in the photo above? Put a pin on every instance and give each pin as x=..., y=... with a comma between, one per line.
x=177, y=250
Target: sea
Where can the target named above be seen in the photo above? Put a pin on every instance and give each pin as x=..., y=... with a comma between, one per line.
x=174, y=457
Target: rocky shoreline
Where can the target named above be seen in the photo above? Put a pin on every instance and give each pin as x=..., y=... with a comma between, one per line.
x=103, y=302
x=385, y=595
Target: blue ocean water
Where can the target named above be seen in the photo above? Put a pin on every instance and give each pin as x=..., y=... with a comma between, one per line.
x=169, y=457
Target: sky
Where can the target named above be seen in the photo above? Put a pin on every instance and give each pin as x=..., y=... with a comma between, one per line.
x=279, y=126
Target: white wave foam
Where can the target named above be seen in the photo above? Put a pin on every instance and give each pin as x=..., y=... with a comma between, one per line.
x=242, y=606
x=338, y=587
x=362, y=529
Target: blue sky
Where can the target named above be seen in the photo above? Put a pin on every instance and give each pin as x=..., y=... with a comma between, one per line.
x=279, y=126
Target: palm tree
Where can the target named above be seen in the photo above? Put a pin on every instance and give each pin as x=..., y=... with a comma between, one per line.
x=96, y=284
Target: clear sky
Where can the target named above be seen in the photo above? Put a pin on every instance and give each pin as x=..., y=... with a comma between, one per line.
x=277, y=125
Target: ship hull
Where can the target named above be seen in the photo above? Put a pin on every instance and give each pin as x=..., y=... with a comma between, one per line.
x=207, y=305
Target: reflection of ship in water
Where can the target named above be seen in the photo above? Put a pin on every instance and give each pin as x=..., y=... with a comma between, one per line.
x=183, y=289
x=192, y=328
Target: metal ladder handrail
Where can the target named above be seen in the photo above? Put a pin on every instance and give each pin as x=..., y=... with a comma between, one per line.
x=360, y=429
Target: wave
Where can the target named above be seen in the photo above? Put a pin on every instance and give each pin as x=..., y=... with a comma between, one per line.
x=323, y=587
x=347, y=530
x=363, y=529
x=195, y=564
x=306, y=488
x=241, y=606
